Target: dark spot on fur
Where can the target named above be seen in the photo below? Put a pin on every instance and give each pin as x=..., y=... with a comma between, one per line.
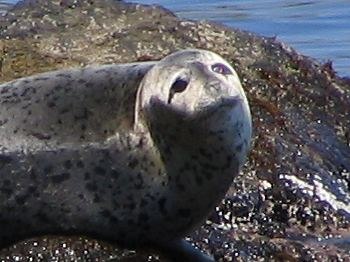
x=184, y=212
x=20, y=200
x=131, y=222
x=143, y=202
x=80, y=164
x=161, y=204
x=32, y=174
x=122, y=234
x=65, y=110
x=114, y=219
x=4, y=160
x=105, y=213
x=100, y=170
x=205, y=153
x=209, y=166
x=245, y=142
x=141, y=143
x=199, y=180
x=97, y=199
x=41, y=136
x=180, y=187
x=41, y=78
x=42, y=217
x=133, y=163
x=6, y=191
x=150, y=197
x=239, y=148
x=60, y=178
x=194, y=157
x=168, y=151
x=51, y=104
x=91, y=186
x=143, y=217
x=145, y=227
x=6, y=182
x=87, y=176
x=106, y=155
x=116, y=205
x=2, y=122
x=138, y=182
x=48, y=169
x=130, y=206
x=208, y=175
x=68, y=164
x=114, y=173
x=228, y=162
x=32, y=189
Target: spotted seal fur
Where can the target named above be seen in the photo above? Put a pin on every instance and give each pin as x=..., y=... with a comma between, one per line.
x=135, y=153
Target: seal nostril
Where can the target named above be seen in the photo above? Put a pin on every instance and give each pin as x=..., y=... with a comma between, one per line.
x=178, y=86
x=221, y=69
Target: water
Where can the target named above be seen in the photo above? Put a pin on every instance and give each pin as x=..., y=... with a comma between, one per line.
x=320, y=29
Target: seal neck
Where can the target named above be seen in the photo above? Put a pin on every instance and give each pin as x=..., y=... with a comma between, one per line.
x=199, y=169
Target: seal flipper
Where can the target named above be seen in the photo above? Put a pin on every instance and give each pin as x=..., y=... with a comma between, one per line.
x=179, y=250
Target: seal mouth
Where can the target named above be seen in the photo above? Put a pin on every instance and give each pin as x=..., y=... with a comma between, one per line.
x=230, y=102
x=161, y=110
x=223, y=104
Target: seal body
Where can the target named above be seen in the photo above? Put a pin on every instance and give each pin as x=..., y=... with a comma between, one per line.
x=135, y=153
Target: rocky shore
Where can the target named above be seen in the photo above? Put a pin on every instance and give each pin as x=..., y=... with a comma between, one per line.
x=291, y=201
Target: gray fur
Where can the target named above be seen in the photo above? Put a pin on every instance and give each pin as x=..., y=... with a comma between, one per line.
x=99, y=151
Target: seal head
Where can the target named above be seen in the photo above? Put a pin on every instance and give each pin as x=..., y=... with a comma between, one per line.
x=195, y=109
x=194, y=84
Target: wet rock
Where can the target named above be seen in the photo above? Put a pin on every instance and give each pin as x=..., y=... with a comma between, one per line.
x=291, y=201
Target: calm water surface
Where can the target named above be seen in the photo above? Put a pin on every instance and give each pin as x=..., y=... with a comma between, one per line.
x=320, y=29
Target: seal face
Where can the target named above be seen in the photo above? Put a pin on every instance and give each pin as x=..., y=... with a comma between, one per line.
x=134, y=153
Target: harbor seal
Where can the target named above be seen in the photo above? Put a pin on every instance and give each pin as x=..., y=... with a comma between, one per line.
x=138, y=153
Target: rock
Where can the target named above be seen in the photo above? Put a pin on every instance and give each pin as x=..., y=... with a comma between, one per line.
x=292, y=200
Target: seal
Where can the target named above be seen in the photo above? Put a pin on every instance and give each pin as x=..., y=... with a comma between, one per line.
x=137, y=154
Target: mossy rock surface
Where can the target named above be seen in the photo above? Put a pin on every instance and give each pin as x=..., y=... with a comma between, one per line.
x=291, y=201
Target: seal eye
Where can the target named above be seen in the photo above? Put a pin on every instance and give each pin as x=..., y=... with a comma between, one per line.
x=178, y=86
x=221, y=69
